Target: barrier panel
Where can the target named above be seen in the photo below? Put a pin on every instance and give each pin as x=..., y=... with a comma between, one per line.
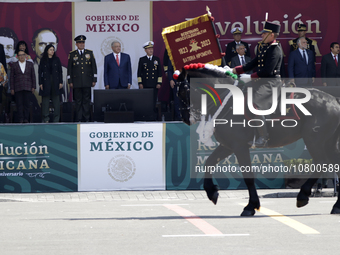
x=182, y=157
x=38, y=158
x=121, y=157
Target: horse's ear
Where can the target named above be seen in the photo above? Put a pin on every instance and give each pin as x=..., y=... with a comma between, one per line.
x=183, y=75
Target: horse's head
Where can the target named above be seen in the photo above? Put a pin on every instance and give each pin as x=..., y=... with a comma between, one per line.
x=189, y=108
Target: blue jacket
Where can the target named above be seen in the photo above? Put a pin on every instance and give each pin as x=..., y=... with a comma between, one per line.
x=113, y=74
x=298, y=69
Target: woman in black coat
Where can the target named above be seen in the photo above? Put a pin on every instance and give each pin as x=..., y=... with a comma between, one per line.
x=50, y=82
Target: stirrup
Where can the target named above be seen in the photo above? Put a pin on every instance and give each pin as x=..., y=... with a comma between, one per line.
x=261, y=142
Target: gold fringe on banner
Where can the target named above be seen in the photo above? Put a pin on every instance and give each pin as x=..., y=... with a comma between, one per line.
x=186, y=24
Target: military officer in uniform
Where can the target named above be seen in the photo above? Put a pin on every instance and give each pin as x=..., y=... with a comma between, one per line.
x=230, y=51
x=150, y=71
x=268, y=62
x=82, y=75
x=311, y=44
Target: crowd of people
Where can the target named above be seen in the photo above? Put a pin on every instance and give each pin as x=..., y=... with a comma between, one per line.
x=301, y=59
x=44, y=80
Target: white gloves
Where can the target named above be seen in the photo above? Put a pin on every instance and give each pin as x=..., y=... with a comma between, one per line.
x=227, y=68
x=245, y=77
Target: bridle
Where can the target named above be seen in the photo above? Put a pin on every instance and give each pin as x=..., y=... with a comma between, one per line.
x=186, y=101
x=186, y=106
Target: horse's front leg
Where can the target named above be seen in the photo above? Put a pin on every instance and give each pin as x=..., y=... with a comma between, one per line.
x=322, y=155
x=243, y=157
x=216, y=156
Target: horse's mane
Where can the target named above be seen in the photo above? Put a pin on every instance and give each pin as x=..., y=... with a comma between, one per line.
x=205, y=71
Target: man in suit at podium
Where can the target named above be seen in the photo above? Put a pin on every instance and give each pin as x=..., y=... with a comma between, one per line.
x=241, y=58
x=230, y=51
x=301, y=64
x=330, y=67
x=117, y=69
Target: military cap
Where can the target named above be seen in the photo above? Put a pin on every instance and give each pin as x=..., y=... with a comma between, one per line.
x=270, y=27
x=237, y=30
x=302, y=27
x=148, y=44
x=80, y=38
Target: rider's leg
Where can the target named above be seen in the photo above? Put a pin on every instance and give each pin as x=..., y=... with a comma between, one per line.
x=261, y=142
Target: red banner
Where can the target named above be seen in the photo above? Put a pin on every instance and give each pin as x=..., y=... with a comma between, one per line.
x=192, y=41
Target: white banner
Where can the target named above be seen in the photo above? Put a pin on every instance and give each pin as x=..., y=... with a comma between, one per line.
x=102, y=23
x=121, y=157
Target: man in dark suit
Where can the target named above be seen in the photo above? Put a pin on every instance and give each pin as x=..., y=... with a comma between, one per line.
x=301, y=64
x=230, y=51
x=82, y=75
x=330, y=67
x=22, y=85
x=311, y=44
x=241, y=58
x=117, y=69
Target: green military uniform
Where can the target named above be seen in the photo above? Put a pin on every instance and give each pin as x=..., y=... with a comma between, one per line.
x=82, y=72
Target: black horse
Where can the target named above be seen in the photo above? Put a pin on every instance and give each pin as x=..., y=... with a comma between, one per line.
x=320, y=133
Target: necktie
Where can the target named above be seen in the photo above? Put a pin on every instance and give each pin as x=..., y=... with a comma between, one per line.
x=242, y=60
x=117, y=59
x=336, y=61
x=305, y=57
x=81, y=53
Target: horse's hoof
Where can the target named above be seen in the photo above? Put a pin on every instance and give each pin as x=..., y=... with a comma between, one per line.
x=301, y=203
x=248, y=213
x=335, y=210
x=302, y=198
x=214, y=197
x=249, y=210
x=212, y=194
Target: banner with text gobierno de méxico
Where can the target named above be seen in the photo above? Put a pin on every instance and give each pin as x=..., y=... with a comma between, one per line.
x=121, y=157
x=125, y=22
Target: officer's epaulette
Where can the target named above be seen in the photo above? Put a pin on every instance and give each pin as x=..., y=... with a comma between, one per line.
x=291, y=42
x=71, y=53
x=88, y=50
x=314, y=42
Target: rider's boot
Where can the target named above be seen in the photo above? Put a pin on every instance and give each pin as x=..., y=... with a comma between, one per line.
x=262, y=141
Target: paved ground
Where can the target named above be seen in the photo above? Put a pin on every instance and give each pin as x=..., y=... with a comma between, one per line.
x=147, y=195
x=166, y=223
